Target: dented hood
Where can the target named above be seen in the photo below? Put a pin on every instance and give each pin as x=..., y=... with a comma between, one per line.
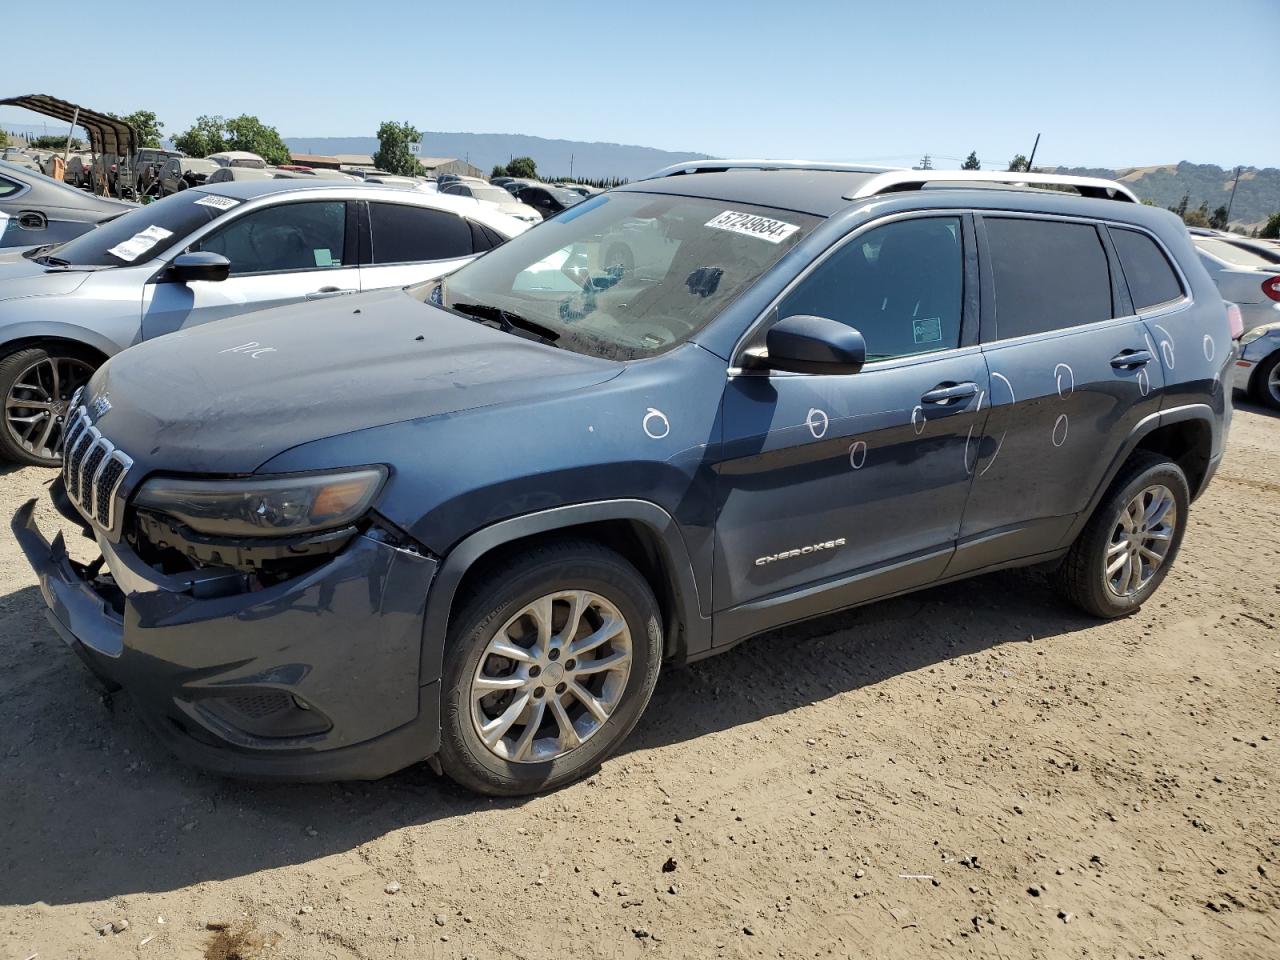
x=227, y=397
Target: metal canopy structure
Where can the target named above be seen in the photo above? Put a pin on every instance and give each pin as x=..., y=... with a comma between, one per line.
x=107, y=135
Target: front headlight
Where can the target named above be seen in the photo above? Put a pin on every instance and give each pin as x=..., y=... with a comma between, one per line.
x=1255, y=334
x=279, y=506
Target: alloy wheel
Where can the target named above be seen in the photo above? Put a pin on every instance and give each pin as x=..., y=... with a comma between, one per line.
x=551, y=677
x=1273, y=383
x=36, y=408
x=1140, y=540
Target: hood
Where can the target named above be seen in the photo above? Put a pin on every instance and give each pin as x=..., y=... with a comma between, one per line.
x=227, y=397
x=20, y=277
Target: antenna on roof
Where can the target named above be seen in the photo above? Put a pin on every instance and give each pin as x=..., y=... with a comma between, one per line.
x=1034, y=147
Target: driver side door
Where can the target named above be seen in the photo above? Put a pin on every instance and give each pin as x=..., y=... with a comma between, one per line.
x=280, y=254
x=836, y=489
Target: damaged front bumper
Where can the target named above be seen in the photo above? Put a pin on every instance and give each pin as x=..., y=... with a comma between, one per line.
x=314, y=678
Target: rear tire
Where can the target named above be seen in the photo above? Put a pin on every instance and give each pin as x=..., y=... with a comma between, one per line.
x=1127, y=547
x=534, y=731
x=1266, y=382
x=36, y=385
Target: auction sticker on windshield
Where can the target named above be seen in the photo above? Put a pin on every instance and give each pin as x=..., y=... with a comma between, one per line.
x=751, y=225
x=218, y=203
x=139, y=243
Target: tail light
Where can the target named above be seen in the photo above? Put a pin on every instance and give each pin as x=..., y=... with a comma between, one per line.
x=1236, y=320
x=1271, y=287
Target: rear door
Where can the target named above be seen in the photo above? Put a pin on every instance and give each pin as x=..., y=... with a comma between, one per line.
x=1072, y=372
x=280, y=254
x=409, y=243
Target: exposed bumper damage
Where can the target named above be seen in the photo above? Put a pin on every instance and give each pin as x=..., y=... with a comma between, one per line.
x=312, y=678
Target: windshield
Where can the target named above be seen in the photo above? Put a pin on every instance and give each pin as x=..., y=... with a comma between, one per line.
x=1231, y=253
x=492, y=194
x=143, y=233
x=627, y=275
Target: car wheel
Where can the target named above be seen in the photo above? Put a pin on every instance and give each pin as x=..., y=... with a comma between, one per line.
x=37, y=384
x=1126, y=549
x=552, y=658
x=1266, y=382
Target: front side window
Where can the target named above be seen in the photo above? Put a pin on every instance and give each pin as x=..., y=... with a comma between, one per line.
x=900, y=286
x=1048, y=275
x=286, y=237
x=403, y=233
x=1146, y=269
x=628, y=274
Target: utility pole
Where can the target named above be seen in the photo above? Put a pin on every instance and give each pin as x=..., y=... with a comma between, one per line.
x=1234, y=183
x=571, y=166
x=1034, y=147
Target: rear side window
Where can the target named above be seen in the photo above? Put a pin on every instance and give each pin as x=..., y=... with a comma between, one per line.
x=409, y=234
x=8, y=187
x=898, y=285
x=1146, y=269
x=1048, y=275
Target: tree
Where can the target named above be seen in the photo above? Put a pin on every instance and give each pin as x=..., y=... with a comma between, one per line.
x=247, y=132
x=1018, y=163
x=1271, y=229
x=4, y=138
x=522, y=167
x=150, y=130
x=1218, y=219
x=498, y=171
x=204, y=137
x=1181, y=208
x=393, y=153
x=1198, y=217
x=971, y=162
x=55, y=141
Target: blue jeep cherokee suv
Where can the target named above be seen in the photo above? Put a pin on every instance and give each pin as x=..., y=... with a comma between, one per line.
x=468, y=522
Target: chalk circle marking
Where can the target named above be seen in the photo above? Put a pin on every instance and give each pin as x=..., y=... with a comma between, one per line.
x=1067, y=387
x=1060, y=426
x=656, y=425
x=857, y=454
x=918, y=419
x=1210, y=348
x=818, y=421
x=1144, y=382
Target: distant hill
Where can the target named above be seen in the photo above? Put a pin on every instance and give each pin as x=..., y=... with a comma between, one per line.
x=484, y=150
x=1257, y=197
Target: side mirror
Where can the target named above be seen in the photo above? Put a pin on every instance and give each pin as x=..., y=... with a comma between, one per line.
x=803, y=344
x=200, y=266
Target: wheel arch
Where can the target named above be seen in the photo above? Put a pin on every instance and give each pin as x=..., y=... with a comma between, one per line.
x=641, y=531
x=1184, y=434
x=29, y=335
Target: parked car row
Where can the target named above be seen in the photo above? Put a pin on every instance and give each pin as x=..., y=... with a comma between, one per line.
x=472, y=517
x=206, y=253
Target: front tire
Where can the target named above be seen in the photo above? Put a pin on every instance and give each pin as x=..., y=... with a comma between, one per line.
x=550, y=662
x=37, y=384
x=1126, y=549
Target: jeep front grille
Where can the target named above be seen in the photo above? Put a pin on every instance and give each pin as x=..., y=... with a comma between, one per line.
x=92, y=469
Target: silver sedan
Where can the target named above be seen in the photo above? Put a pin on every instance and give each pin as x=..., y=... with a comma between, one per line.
x=203, y=254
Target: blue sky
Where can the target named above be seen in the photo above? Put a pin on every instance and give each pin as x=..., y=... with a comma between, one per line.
x=1119, y=83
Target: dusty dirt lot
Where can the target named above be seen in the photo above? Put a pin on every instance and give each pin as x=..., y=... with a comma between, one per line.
x=974, y=770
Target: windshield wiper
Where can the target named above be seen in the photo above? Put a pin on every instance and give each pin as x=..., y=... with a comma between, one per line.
x=508, y=322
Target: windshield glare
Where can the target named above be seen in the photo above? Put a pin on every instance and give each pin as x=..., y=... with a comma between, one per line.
x=626, y=275
x=140, y=234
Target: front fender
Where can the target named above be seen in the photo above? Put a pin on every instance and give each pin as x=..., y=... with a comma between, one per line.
x=55, y=330
x=663, y=527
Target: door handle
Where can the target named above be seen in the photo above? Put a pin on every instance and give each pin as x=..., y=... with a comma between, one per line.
x=945, y=393
x=1129, y=359
x=325, y=292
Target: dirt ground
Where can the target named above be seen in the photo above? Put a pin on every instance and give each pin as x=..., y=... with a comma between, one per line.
x=974, y=770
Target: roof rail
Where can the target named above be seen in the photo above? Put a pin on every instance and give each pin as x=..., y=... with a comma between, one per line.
x=716, y=166
x=898, y=180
